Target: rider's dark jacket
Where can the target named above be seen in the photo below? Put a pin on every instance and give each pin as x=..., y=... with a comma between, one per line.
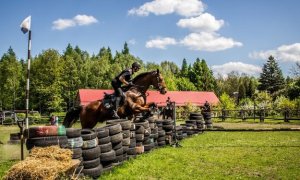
x=116, y=83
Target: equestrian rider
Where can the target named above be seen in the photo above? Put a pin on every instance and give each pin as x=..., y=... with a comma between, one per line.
x=123, y=78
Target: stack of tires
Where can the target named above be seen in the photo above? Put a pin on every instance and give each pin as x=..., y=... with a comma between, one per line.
x=91, y=154
x=131, y=152
x=154, y=131
x=126, y=126
x=191, y=127
x=116, y=138
x=207, y=119
x=43, y=136
x=75, y=143
x=139, y=137
x=148, y=142
x=161, y=140
x=168, y=126
x=179, y=133
x=199, y=120
x=142, y=133
x=108, y=155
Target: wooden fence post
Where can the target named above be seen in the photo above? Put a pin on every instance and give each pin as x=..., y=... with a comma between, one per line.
x=223, y=114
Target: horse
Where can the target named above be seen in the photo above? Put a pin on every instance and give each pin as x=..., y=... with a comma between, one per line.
x=134, y=102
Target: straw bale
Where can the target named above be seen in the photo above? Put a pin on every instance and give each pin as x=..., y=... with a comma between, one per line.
x=46, y=163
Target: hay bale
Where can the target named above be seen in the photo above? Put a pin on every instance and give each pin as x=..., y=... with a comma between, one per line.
x=46, y=163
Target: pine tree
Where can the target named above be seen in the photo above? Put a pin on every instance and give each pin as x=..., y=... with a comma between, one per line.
x=125, y=49
x=271, y=78
x=184, y=68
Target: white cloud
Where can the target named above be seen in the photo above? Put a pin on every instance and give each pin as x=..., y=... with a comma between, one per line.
x=84, y=20
x=132, y=41
x=78, y=20
x=237, y=67
x=204, y=22
x=61, y=24
x=161, y=7
x=160, y=43
x=283, y=53
x=205, y=41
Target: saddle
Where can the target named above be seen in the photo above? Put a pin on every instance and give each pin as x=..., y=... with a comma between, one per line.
x=109, y=100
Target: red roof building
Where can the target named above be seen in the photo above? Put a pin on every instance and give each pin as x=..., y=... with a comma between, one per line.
x=181, y=98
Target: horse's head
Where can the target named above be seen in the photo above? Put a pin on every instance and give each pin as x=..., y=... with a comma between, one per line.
x=159, y=83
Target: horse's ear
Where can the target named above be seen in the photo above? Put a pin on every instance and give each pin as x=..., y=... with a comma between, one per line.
x=157, y=71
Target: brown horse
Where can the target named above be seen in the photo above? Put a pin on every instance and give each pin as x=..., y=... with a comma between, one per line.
x=134, y=102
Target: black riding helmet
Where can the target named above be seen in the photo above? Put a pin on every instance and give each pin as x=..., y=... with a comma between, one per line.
x=136, y=65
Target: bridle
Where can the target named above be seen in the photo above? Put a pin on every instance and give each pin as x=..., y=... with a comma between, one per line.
x=159, y=86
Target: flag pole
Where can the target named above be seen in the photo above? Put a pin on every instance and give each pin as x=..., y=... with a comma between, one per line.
x=25, y=27
x=27, y=82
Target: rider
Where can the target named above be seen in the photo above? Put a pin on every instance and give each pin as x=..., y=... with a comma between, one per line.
x=123, y=78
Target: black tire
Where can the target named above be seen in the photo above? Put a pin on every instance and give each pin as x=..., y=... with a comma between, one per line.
x=162, y=138
x=102, y=132
x=93, y=172
x=139, y=137
x=145, y=124
x=161, y=133
x=161, y=143
x=195, y=114
x=126, y=141
x=91, y=163
x=132, y=143
x=168, y=127
x=167, y=122
x=116, y=138
x=105, y=147
x=126, y=124
x=119, y=158
x=119, y=151
x=108, y=156
x=191, y=122
x=196, y=117
x=148, y=147
x=114, y=129
x=62, y=141
x=126, y=134
x=89, y=154
x=131, y=151
x=139, y=129
x=117, y=145
x=77, y=153
x=73, y=132
x=88, y=134
x=104, y=140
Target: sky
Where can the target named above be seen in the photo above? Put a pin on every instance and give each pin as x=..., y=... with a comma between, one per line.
x=231, y=35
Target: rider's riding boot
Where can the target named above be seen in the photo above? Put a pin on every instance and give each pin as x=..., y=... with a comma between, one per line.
x=115, y=114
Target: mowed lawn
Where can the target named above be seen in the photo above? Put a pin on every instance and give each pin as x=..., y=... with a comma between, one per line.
x=220, y=155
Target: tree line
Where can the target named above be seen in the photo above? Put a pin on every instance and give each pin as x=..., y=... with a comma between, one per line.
x=55, y=78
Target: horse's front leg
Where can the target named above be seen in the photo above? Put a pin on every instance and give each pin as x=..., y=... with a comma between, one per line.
x=137, y=108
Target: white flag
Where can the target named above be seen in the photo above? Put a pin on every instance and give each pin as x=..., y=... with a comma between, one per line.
x=25, y=25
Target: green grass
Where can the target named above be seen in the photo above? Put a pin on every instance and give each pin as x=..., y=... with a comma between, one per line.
x=220, y=155
x=212, y=155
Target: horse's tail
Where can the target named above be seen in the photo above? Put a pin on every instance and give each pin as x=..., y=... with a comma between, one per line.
x=72, y=116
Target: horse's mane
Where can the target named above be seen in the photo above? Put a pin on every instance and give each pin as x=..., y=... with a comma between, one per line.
x=142, y=75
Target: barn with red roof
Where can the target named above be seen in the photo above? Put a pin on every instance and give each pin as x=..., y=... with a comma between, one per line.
x=181, y=98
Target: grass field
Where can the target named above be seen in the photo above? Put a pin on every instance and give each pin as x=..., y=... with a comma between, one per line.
x=220, y=155
x=211, y=155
